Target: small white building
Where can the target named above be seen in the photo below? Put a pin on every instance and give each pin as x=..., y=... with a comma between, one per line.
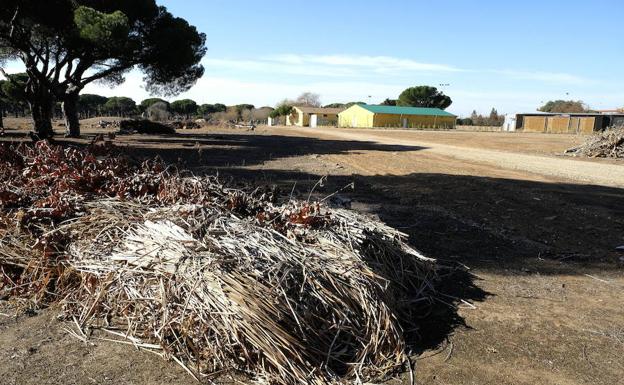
x=511, y=121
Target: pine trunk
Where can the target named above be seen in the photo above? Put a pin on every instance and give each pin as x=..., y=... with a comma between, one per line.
x=41, y=108
x=70, y=112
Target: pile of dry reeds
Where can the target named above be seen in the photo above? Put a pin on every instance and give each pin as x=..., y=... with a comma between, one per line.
x=221, y=280
x=607, y=144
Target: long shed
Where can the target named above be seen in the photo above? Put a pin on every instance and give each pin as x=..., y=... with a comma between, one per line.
x=369, y=116
x=561, y=123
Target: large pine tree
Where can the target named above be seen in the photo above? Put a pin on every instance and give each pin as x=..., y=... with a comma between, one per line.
x=67, y=44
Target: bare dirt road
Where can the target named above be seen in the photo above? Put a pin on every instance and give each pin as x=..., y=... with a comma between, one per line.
x=541, y=302
x=532, y=157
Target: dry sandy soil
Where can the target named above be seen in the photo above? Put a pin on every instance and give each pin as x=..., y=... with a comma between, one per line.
x=542, y=303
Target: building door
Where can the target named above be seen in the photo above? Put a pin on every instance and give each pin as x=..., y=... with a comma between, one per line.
x=313, y=120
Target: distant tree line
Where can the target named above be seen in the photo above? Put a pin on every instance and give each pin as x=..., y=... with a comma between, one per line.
x=552, y=106
x=13, y=97
x=343, y=105
x=494, y=119
x=13, y=102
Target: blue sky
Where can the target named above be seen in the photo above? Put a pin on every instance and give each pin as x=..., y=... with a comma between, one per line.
x=502, y=54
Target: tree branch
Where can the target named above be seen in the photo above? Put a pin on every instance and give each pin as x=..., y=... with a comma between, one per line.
x=103, y=74
x=12, y=23
x=6, y=75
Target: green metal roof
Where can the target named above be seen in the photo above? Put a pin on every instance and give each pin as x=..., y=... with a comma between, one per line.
x=405, y=110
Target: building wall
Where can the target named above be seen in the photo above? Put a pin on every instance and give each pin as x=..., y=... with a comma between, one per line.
x=558, y=125
x=359, y=117
x=562, y=124
x=304, y=120
x=295, y=118
x=587, y=125
x=324, y=119
x=414, y=121
x=510, y=123
x=301, y=119
x=355, y=116
x=534, y=124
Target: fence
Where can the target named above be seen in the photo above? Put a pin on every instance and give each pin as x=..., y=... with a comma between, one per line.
x=479, y=128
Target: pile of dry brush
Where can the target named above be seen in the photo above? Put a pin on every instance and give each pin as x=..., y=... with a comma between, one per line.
x=607, y=144
x=214, y=278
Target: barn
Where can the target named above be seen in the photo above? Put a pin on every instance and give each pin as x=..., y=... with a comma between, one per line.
x=369, y=116
x=313, y=116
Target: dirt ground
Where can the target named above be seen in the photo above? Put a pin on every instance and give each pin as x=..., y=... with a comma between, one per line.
x=541, y=302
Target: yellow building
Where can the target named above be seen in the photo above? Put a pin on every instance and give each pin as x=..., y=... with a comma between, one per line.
x=313, y=116
x=367, y=116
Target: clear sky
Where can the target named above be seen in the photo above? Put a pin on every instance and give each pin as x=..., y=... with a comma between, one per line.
x=511, y=55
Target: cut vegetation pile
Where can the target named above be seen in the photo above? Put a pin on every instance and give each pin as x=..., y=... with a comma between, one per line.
x=145, y=126
x=212, y=277
x=607, y=144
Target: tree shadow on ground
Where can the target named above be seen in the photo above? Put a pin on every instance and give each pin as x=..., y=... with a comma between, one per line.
x=221, y=150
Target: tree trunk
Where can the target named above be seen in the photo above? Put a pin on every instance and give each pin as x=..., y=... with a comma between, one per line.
x=70, y=112
x=41, y=102
x=41, y=108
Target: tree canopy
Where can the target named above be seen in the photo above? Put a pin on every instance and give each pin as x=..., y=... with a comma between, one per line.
x=389, y=102
x=206, y=109
x=120, y=106
x=91, y=105
x=475, y=119
x=14, y=88
x=343, y=105
x=186, y=107
x=334, y=105
x=424, y=96
x=159, y=111
x=281, y=110
x=308, y=99
x=147, y=103
x=220, y=107
x=13, y=94
x=67, y=44
x=565, y=106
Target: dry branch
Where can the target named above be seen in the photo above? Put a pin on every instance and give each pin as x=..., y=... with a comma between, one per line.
x=607, y=144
